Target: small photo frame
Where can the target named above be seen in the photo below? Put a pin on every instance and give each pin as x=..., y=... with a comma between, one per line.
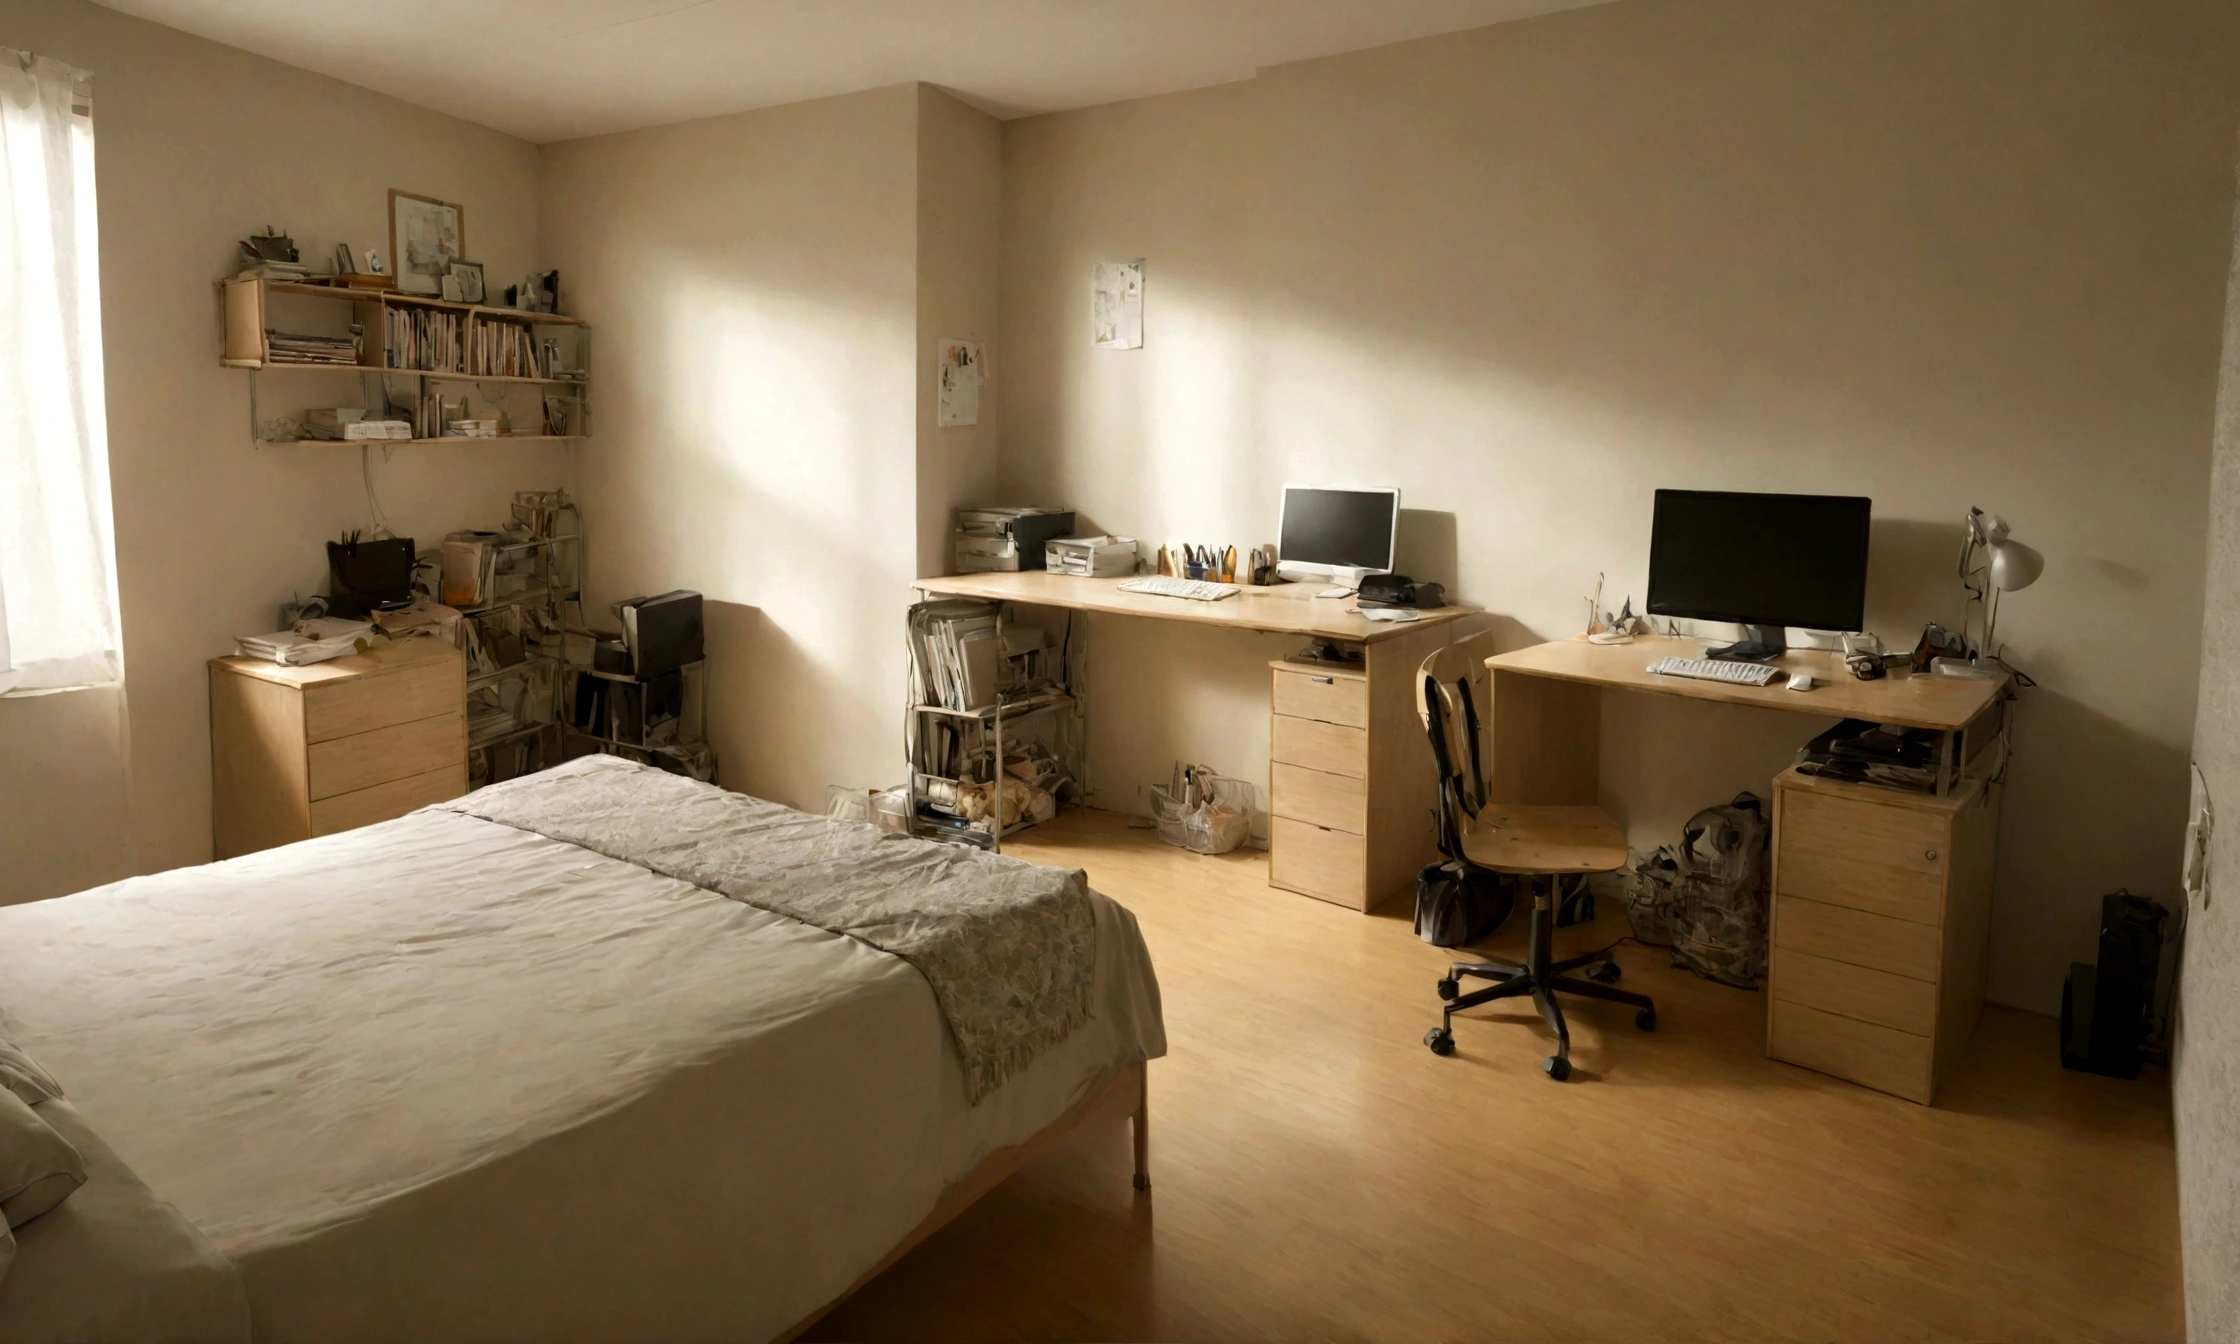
x=345, y=262
x=469, y=276
x=451, y=289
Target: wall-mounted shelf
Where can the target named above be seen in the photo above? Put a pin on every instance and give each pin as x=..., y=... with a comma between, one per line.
x=448, y=438
x=475, y=343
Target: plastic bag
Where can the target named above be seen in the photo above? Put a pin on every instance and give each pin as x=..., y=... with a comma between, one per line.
x=1202, y=811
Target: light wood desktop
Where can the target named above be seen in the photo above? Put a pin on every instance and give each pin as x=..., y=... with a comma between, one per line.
x=1881, y=897
x=1351, y=788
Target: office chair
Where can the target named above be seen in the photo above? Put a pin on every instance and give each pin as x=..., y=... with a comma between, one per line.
x=1538, y=843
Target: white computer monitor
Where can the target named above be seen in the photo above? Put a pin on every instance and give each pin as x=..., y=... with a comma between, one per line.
x=1337, y=532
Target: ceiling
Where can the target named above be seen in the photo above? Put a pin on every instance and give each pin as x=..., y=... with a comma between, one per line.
x=555, y=69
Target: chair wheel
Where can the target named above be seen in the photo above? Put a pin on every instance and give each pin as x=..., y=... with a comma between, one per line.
x=1440, y=1039
x=1646, y=1019
x=1557, y=1067
x=1604, y=972
x=1448, y=988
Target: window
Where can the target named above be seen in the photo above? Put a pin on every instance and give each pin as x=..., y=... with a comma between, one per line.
x=58, y=575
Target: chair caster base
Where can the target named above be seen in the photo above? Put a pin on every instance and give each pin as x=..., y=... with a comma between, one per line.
x=1602, y=973
x=1449, y=988
x=1440, y=1039
x=1646, y=1019
x=1556, y=1067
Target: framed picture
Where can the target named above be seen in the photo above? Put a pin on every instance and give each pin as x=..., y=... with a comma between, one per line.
x=425, y=237
x=345, y=262
x=451, y=289
x=469, y=274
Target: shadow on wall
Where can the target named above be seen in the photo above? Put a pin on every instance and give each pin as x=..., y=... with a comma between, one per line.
x=1912, y=578
x=754, y=745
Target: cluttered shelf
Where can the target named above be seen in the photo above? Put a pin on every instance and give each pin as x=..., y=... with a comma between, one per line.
x=444, y=438
x=429, y=375
x=988, y=757
x=391, y=296
x=528, y=368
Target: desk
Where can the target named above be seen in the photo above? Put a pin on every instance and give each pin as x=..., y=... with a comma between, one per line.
x=1881, y=898
x=1351, y=787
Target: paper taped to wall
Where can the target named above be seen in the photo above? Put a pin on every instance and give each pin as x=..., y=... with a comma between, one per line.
x=1116, y=308
x=958, y=402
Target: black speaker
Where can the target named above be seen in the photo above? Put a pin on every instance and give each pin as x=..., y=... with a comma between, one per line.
x=2104, y=1008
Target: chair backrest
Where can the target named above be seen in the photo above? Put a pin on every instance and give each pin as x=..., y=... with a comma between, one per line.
x=1453, y=697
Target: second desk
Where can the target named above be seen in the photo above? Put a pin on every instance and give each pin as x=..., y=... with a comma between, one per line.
x=1351, y=789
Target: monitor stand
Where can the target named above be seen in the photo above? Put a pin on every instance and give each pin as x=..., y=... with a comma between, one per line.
x=1764, y=644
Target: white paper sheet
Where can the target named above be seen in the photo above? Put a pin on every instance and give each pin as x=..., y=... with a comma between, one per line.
x=1116, y=309
x=960, y=375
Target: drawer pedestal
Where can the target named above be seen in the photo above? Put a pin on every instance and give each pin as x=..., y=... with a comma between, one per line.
x=1881, y=921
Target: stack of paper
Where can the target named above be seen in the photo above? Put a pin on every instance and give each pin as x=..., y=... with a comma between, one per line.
x=956, y=652
x=471, y=429
x=350, y=423
x=288, y=348
x=313, y=641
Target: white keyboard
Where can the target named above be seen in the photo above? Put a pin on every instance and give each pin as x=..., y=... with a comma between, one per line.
x=1706, y=669
x=1164, y=585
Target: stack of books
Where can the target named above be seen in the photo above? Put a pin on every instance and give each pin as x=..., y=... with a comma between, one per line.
x=283, y=347
x=471, y=429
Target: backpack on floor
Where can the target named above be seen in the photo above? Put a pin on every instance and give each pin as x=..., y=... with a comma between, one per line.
x=1719, y=928
x=1457, y=904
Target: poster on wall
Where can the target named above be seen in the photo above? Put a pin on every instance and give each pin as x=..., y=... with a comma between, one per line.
x=425, y=237
x=960, y=375
x=1116, y=305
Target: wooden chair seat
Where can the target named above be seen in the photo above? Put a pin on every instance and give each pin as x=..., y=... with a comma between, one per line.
x=1511, y=838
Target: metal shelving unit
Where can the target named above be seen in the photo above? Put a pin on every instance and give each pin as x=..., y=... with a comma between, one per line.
x=936, y=808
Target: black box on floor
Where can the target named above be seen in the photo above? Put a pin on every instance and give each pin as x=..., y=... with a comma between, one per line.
x=2104, y=1008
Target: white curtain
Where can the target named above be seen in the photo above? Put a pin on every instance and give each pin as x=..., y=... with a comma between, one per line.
x=58, y=577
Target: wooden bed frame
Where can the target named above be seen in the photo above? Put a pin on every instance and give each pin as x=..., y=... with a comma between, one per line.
x=1129, y=1093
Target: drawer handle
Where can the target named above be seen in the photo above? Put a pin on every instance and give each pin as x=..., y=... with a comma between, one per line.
x=1324, y=681
x=1930, y=855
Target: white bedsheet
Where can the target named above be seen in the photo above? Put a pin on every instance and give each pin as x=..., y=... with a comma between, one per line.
x=442, y=1079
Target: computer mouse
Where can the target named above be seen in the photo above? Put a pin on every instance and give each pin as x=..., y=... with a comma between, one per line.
x=1798, y=681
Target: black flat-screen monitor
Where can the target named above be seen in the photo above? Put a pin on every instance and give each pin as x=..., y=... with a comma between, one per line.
x=1765, y=561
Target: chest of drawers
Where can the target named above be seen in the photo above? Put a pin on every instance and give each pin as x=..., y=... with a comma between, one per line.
x=302, y=751
x=1881, y=920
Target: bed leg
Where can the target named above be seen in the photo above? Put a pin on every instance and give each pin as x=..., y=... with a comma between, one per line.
x=1142, y=1122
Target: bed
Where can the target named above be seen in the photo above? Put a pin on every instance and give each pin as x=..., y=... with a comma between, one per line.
x=527, y=1066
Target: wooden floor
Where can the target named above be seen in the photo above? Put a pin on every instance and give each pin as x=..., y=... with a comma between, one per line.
x=1321, y=1175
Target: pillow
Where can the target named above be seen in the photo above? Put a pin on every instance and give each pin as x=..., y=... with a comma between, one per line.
x=20, y=1074
x=38, y=1167
x=7, y=1249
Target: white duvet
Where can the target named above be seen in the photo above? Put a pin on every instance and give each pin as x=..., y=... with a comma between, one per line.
x=442, y=1079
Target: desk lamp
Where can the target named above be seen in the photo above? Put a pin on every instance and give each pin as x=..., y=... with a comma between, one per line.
x=1991, y=562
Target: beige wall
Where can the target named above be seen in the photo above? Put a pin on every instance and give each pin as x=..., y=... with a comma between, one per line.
x=1938, y=254
x=960, y=216
x=753, y=279
x=196, y=145
x=2205, y=1077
